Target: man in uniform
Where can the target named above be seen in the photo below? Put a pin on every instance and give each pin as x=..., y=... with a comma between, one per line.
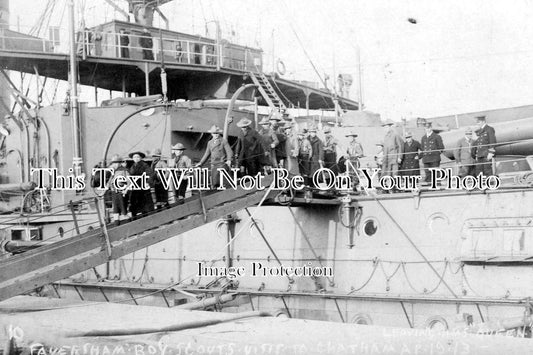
x=161, y=194
x=291, y=148
x=249, y=148
x=483, y=150
x=124, y=40
x=432, y=147
x=270, y=142
x=305, y=151
x=182, y=162
x=410, y=158
x=220, y=153
x=463, y=154
x=354, y=150
x=392, y=150
x=141, y=200
x=317, y=158
x=276, y=125
x=330, y=151
x=353, y=153
x=146, y=42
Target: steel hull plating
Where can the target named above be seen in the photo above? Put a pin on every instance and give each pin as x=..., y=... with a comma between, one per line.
x=477, y=246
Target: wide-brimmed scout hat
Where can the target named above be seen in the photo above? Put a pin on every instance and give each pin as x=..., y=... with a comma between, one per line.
x=276, y=116
x=468, y=130
x=408, y=134
x=117, y=159
x=481, y=118
x=388, y=122
x=157, y=152
x=215, y=129
x=178, y=146
x=351, y=134
x=439, y=128
x=312, y=129
x=244, y=122
x=141, y=154
x=264, y=121
x=327, y=129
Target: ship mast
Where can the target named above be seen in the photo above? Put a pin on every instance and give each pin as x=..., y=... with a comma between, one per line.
x=76, y=159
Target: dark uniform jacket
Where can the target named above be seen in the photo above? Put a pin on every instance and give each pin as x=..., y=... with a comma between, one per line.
x=318, y=153
x=218, y=150
x=280, y=148
x=141, y=167
x=145, y=40
x=410, y=158
x=484, y=144
x=249, y=146
x=432, y=147
x=268, y=137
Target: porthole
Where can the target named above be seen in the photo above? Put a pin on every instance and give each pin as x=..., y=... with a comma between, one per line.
x=436, y=323
x=362, y=318
x=370, y=227
x=280, y=313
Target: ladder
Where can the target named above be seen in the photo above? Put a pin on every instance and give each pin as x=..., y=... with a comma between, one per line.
x=267, y=91
x=56, y=261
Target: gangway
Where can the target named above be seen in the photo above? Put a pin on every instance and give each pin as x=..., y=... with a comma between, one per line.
x=46, y=264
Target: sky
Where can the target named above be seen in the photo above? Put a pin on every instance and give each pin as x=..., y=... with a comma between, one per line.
x=460, y=56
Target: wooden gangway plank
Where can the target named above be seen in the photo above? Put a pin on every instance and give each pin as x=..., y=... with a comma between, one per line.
x=41, y=266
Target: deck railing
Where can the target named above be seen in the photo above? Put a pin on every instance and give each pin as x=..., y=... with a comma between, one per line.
x=128, y=46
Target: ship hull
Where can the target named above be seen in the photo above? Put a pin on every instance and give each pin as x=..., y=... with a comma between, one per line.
x=441, y=258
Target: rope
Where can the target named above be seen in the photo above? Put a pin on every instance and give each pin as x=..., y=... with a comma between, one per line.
x=425, y=291
x=465, y=279
x=355, y=289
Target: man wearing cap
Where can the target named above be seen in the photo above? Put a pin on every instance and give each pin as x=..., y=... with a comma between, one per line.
x=410, y=158
x=118, y=164
x=432, y=147
x=220, y=153
x=270, y=142
x=184, y=163
x=463, y=154
x=249, y=150
x=140, y=200
x=330, y=151
x=483, y=150
x=275, y=125
x=317, y=157
x=392, y=150
x=161, y=194
x=305, y=151
x=291, y=148
x=354, y=150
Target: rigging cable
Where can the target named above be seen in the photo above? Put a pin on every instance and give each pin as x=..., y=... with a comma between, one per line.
x=307, y=54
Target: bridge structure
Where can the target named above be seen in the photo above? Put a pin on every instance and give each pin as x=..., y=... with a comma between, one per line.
x=195, y=67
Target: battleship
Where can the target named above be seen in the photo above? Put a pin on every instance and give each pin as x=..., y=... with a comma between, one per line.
x=423, y=258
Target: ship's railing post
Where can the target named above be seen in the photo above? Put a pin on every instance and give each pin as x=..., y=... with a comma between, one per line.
x=188, y=52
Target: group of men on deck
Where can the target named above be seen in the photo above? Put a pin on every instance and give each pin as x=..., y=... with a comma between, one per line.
x=473, y=156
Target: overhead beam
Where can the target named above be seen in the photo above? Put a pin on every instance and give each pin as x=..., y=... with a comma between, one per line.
x=118, y=9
